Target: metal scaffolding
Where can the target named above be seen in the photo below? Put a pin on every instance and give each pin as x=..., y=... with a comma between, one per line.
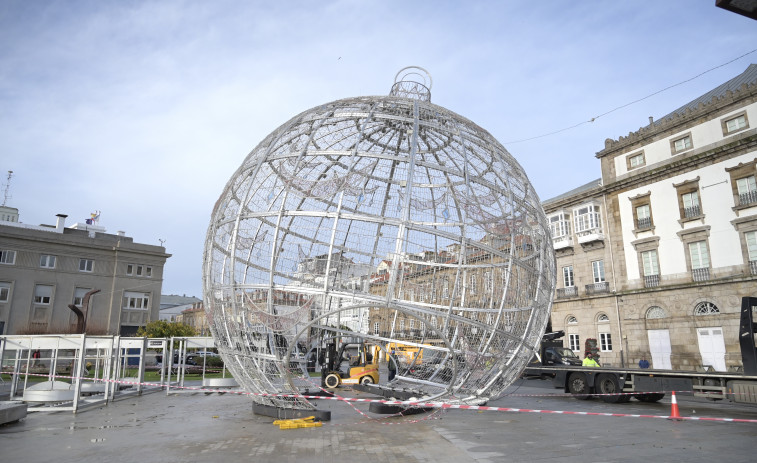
x=386, y=220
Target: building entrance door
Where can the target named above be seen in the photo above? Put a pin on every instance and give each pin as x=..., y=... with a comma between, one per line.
x=659, y=347
x=712, y=347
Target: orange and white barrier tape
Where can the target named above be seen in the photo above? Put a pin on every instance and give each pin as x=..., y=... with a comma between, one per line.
x=416, y=404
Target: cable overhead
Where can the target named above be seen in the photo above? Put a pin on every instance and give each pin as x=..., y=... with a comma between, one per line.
x=631, y=103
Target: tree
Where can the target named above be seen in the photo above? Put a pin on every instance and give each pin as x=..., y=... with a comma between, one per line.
x=166, y=329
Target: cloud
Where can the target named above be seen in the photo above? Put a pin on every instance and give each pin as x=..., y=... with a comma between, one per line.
x=145, y=109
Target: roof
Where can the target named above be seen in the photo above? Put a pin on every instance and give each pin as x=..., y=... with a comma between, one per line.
x=748, y=77
x=576, y=191
x=172, y=300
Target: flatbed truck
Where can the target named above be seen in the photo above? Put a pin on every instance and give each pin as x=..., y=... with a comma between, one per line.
x=650, y=385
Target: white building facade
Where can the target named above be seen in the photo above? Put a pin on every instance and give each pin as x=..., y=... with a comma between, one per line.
x=677, y=214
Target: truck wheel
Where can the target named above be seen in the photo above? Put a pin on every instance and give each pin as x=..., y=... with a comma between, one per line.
x=608, y=384
x=578, y=386
x=332, y=380
x=366, y=380
x=650, y=397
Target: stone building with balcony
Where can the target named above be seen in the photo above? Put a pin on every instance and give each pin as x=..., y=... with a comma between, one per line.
x=659, y=269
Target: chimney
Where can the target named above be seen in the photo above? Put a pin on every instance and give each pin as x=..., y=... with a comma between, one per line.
x=121, y=233
x=651, y=120
x=61, y=223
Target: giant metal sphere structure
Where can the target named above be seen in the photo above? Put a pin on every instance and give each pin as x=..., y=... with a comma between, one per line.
x=387, y=221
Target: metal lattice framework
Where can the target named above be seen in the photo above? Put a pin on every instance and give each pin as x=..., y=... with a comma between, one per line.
x=385, y=220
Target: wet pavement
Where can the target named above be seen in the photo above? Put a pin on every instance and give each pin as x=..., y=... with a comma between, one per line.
x=199, y=427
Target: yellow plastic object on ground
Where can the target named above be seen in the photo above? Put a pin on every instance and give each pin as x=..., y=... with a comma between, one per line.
x=296, y=423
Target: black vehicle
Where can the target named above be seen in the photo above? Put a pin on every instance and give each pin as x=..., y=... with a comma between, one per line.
x=558, y=355
x=552, y=352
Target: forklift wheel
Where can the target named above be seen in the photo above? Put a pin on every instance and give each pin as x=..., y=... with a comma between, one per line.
x=366, y=380
x=332, y=380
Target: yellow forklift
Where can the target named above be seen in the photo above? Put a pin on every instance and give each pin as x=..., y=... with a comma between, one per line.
x=353, y=363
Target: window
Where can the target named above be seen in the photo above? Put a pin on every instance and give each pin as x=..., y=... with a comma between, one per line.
x=751, y=245
x=688, y=199
x=649, y=260
x=7, y=257
x=138, y=301
x=412, y=324
x=635, y=160
x=603, y=318
x=572, y=320
x=375, y=328
x=700, y=258
x=138, y=270
x=706, y=308
x=747, y=190
x=643, y=216
x=86, y=265
x=691, y=205
x=605, y=342
x=559, y=225
x=79, y=294
x=567, y=276
x=735, y=124
x=43, y=294
x=5, y=291
x=573, y=342
x=743, y=183
x=681, y=144
x=586, y=218
x=402, y=325
x=487, y=281
x=47, y=261
x=445, y=289
x=655, y=312
x=598, y=269
x=473, y=284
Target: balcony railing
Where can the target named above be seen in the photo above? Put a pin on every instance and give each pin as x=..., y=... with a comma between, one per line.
x=693, y=211
x=570, y=291
x=598, y=288
x=589, y=235
x=563, y=242
x=651, y=281
x=750, y=197
x=753, y=266
x=700, y=274
x=643, y=222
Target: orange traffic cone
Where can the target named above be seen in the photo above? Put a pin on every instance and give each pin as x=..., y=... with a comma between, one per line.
x=674, y=415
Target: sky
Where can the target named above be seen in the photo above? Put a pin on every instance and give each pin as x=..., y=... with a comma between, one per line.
x=143, y=110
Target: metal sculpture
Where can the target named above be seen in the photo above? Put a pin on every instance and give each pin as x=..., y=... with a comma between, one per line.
x=386, y=221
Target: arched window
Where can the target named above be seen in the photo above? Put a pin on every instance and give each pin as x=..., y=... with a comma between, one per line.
x=603, y=318
x=655, y=312
x=706, y=308
x=572, y=320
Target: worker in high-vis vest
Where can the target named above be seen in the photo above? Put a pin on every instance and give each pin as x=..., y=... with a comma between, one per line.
x=589, y=361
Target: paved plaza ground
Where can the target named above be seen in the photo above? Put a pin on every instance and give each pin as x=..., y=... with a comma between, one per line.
x=198, y=427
